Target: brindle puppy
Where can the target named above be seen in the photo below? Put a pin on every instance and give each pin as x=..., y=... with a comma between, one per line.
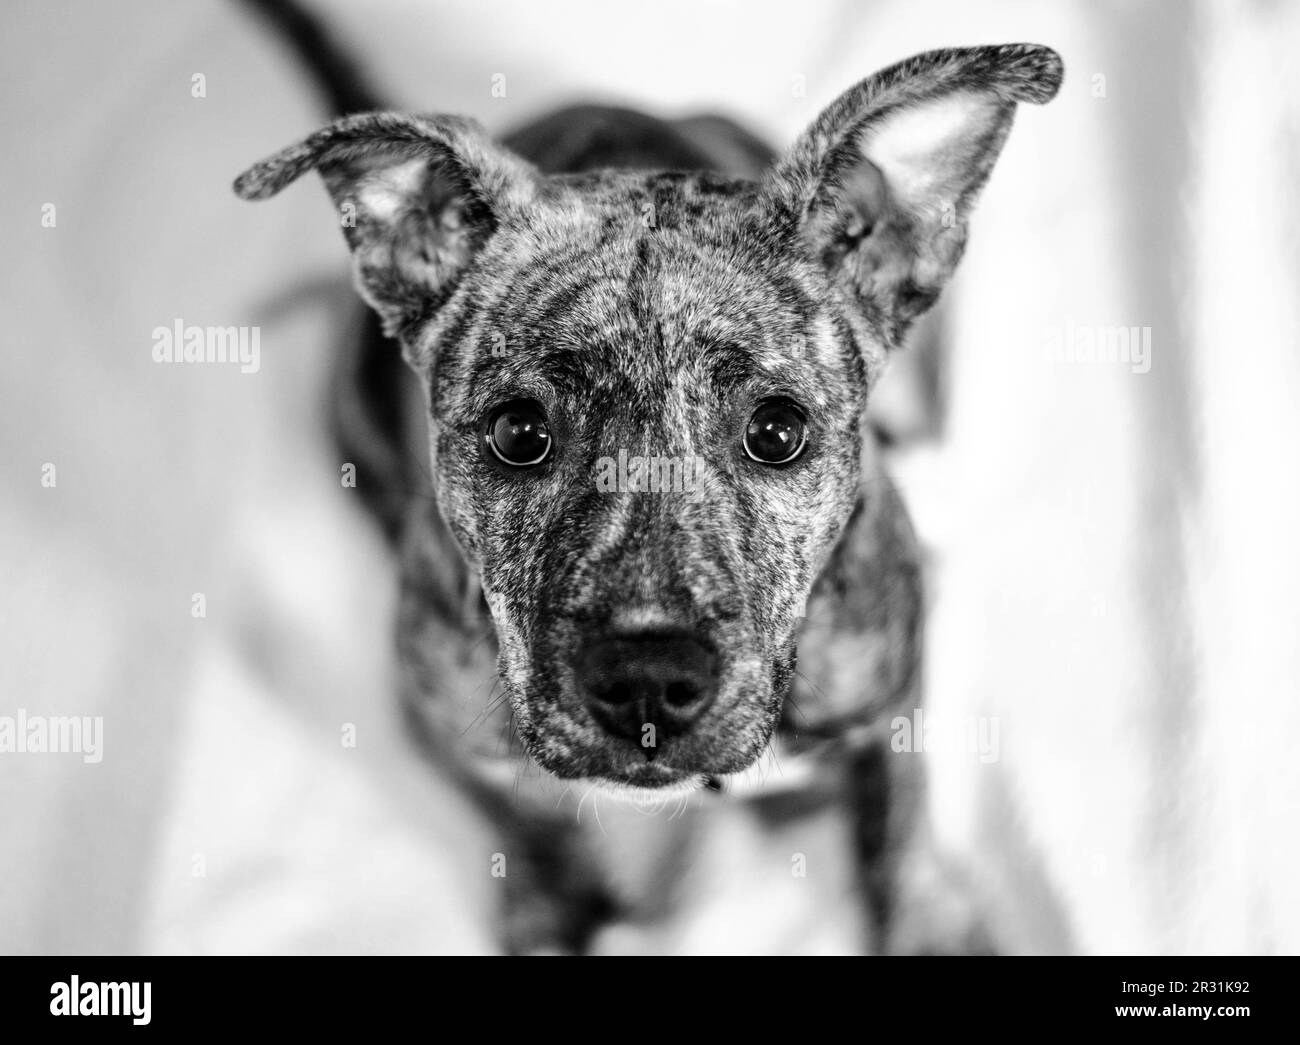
x=562, y=305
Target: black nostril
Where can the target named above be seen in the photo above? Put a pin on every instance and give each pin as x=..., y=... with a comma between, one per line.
x=620, y=691
x=679, y=694
x=666, y=680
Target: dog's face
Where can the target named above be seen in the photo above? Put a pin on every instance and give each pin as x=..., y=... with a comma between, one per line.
x=645, y=438
x=645, y=390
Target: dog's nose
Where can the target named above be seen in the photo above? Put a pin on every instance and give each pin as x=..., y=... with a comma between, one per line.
x=666, y=680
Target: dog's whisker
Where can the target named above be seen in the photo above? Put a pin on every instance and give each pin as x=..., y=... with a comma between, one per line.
x=794, y=701
x=506, y=737
x=775, y=760
x=481, y=640
x=493, y=703
x=595, y=809
x=521, y=768
x=581, y=801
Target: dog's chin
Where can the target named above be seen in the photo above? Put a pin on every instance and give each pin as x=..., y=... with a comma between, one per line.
x=652, y=795
x=628, y=778
x=679, y=766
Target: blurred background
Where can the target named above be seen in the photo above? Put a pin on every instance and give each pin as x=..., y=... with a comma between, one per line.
x=1114, y=549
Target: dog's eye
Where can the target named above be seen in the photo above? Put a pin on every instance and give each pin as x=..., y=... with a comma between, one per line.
x=518, y=433
x=777, y=433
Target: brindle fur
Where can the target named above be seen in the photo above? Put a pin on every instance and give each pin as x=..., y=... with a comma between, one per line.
x=649, y=310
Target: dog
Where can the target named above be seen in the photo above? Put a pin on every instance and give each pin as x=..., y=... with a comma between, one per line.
x=644, y=351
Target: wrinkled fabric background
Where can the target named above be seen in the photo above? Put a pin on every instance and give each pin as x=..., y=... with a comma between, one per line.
x=1115, y=563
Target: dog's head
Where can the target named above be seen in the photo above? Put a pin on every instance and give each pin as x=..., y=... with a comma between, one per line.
x=645, y=391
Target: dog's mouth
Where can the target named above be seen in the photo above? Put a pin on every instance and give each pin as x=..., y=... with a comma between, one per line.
x=647, y=783
x=657, y=713
x=630, y=776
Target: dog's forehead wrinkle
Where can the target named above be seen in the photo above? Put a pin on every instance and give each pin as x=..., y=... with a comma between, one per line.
x=631, y=320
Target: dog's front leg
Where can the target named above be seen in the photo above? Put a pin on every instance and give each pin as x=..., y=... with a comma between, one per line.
x=860, y=656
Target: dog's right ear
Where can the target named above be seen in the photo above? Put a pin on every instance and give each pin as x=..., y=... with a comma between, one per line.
x=417, y=196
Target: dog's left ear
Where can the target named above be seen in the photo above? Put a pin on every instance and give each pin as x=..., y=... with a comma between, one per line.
x=418, y=197
x=880, y=187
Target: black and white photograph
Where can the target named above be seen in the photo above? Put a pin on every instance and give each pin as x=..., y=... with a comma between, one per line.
x=706, y=478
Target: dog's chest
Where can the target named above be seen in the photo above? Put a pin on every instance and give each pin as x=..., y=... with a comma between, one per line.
x=708, y=874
